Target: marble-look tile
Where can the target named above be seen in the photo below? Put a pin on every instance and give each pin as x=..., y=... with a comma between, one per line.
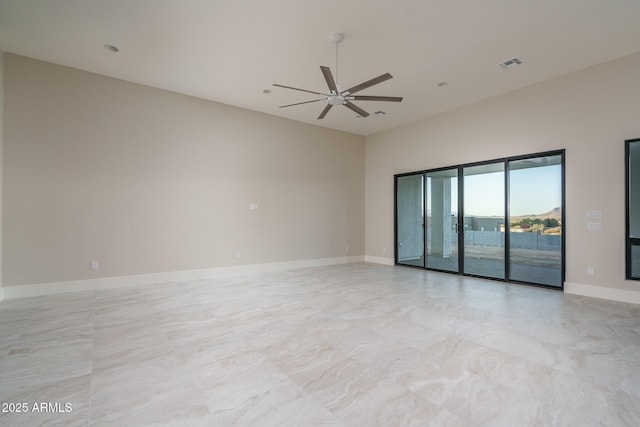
x=219, y=351
x=538, y=327
x=336, y=385
x=180, y=309
x=137, y=350
x=70, y=398
x=531, y=349
x=605, y=368
x=631, y=384
x=243, y=388
x=10, y=332
x=144, y=393
x=344, y=345
x=489, y=404
x=356, y=341
x=467, y=355
x=70, y=324
x=405, y=334
x=623, y=409
x=302, y=412
x=302, y=352
x=57, y=356
x=72, y=348
x=443, y=322
x=187, y=337
x=555, y=388
x=127, y=312
x=606, y=365
x=554, y=416
x=384, y=404
x=21, y=309
x=23, y=373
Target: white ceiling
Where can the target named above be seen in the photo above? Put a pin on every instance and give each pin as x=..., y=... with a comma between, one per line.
x=229, y=51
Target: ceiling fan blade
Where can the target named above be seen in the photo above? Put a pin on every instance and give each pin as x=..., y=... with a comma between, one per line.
x=325, y=111
x=377, y=98
x=305, y=102
x=326, y=72
x=355, y=108
x=369, y=83
x=302, y=90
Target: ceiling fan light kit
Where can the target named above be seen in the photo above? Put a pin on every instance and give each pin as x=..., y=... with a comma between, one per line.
x=336, y=96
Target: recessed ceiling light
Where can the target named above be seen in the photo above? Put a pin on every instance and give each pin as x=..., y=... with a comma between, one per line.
x=379, y=113
x=441, y=84
x=266, y=91
x=111, y=48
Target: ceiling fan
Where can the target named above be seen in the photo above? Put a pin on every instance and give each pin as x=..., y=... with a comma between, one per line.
x=337, y=96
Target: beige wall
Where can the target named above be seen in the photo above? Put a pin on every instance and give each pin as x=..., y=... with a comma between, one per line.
x=1, y=157
x=143, y=181
x=590, y=113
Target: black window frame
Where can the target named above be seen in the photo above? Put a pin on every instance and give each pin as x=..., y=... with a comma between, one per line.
x=630, y=242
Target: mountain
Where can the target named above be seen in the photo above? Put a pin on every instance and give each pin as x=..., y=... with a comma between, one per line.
x=553, y=213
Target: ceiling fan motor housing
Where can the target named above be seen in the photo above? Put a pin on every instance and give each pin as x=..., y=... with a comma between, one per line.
x=336, y=100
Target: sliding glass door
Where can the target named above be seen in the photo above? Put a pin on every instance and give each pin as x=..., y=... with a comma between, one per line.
x=484, y=213
x=535, y=220
x=410, y=220
x=500, y=219
x=442, y=219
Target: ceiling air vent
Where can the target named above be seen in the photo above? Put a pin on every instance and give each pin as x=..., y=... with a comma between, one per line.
x=510, y=63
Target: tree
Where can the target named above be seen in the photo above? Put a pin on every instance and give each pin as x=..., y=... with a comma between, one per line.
x=551, y=222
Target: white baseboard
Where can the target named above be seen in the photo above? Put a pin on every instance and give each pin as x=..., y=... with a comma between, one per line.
x=172, y=276
x=379, y=260
x=612, y=294
x=22, y=291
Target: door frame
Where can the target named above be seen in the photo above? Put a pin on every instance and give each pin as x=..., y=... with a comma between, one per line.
x=460, y=217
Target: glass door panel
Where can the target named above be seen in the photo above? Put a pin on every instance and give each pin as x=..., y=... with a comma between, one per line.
x=410, y=220
x=535, y=220
x=484, y=210
x=442, y=217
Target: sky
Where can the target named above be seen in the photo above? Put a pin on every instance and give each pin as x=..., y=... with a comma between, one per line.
x=533, y=191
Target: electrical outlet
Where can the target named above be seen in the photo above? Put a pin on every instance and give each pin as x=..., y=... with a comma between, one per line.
x=94, y=265
x=590, y=270
x=238, y=254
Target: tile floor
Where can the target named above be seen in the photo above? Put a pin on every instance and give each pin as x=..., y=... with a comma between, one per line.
x=349, y=345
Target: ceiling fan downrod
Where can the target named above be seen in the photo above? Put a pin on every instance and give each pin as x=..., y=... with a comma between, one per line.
x=336, y=39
